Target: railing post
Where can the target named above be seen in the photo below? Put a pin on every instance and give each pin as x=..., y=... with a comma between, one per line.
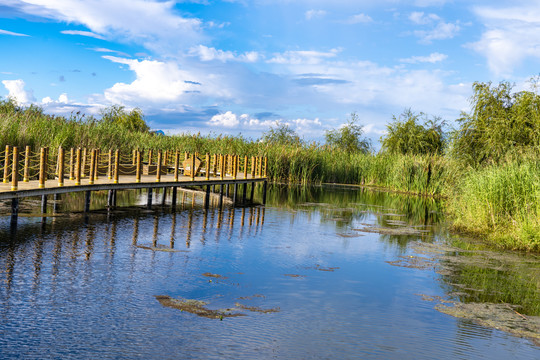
x=42, y=172
x=6, y=165
x=193, y=169
x=214, y=167
x=96, y=166
x=116, y=165
x=149, y=157
x=60, y=166
x=252, y=167
x=92, y=164
x=72, y=164
x=110, y=165
x=221, y=166
x=158, y=166
x=176, y=164
x=207, y=159
x=26, y=175
x=235, y=166
x=83, y=166
x=78, y=167
x=134, y=157
x=260, y=165
x=15, y=169
x=265, y=166
x=245, y=167
x=139, y=167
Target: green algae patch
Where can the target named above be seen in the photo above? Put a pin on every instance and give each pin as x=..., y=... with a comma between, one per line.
x=405, y=230
x=257, y=309
x=215, y=276
x=498, y=316
x=197, y=307
x=294, y=275
x=414, y=262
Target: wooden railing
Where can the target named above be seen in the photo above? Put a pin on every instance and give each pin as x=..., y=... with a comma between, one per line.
x=93, y=164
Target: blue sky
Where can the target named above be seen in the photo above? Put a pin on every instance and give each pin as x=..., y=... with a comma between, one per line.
x=240, y=66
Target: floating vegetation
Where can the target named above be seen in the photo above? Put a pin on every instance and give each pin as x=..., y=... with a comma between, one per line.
x=415, y=262
x=257, y=309
x=406, y=230
x=499, y=290
x=216, y=276
x=252, y=297
x=197, y=307
x=294, y=275
x=349, y=235
x=502, y=317
x=321, y=268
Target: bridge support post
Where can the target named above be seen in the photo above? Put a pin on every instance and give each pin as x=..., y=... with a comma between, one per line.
x=265, y=184
x=252, y=192
x=234, y=193
x=56, y=205
x=110, y=195
x=207, y=197
x=87, y=198
x=244, y=193
x=14, y=211
x=164, y=197
x=173, y=197
x=43, y=204
x=149, y=199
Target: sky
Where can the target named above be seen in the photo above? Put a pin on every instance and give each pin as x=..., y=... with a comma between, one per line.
x=242, y=67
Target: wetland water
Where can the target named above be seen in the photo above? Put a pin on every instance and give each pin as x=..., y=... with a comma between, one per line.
x=319, y=273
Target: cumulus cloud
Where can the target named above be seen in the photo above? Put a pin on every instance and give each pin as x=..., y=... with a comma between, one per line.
x=227, y=120
x=512, y=35
x=16, y=91
x=432, y=58
x=209, y=54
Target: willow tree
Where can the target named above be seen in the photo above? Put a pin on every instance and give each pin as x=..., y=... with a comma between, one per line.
x=500, y=121
x=349, y=137
x=412, y=133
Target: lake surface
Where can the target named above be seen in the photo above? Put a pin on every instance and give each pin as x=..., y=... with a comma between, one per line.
x=319, y=273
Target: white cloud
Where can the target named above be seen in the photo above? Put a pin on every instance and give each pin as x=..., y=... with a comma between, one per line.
x=209, y=54
x=420, y=18
x=313, y=14
x=11, y=33
x=303, y=57
x=227, y=120
x=16, y=91
x=83, y=33
x=511, y=36
x=359, y=18
x=438, y=28
x=432, y=58
x=155, y=24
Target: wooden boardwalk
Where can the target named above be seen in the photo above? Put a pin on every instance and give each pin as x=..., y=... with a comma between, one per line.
x=81, y=170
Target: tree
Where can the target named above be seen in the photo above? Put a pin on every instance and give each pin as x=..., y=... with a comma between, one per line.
x=348, y=137
x=407, y=135
x=130, y=120
x=500, y=121
x=282, y=134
